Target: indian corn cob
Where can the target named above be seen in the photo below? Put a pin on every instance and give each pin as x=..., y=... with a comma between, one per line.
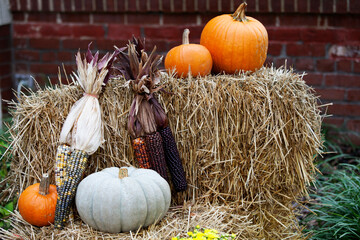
x=154, y=147
x=63, y=153
x=140, y=153
x=75, y=168
x=173, y=160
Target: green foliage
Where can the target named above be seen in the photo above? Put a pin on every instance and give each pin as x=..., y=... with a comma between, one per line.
x=6, y=207
x=336, y=205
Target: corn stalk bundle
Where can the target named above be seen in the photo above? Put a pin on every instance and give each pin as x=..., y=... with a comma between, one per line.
x=82, y=132
x=153, y=142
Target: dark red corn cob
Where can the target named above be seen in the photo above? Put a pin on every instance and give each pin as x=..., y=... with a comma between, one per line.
x=154, y=147
x=173, y=160
x=141, y=155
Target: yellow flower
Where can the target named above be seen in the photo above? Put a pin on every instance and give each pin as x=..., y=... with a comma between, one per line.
x=174, y=238
x=197, y=226
x=190, y=233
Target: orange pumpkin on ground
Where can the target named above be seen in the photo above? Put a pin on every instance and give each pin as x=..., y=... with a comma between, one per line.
x=186, y=58
x=236, y=42
x=37, y=203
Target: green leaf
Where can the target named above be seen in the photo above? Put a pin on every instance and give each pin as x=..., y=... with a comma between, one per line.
x=10, y=206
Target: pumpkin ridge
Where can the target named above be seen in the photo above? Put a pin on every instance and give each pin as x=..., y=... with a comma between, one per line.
x=92, y=208
x=146, y=200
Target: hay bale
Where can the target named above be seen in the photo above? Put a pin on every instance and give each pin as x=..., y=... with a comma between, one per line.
x=247, y=139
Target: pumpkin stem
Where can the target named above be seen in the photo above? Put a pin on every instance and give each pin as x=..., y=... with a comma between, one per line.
x=239, y=14
x=123, y=173
x=185, y=38
x=44, y=185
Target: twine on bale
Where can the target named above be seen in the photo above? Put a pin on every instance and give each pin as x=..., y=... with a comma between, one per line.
x=262, y=129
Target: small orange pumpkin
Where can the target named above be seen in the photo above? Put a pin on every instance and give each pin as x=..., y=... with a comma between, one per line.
x=189, y=57
x=236, y=42
x=37, y=203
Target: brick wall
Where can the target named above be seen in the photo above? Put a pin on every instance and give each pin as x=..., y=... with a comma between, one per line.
x=5, y=64
x=321, y=37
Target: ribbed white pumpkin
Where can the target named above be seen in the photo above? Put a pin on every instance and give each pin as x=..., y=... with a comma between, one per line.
x=110, y=204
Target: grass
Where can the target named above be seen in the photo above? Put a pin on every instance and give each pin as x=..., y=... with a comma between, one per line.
x=335, y=202
x=6, y=205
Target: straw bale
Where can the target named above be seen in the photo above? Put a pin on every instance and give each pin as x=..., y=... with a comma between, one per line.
x=246, y=139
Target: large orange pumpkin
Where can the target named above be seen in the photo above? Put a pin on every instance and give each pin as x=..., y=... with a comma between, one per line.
x=236, y=42
x=189, y=57
x=37, y=203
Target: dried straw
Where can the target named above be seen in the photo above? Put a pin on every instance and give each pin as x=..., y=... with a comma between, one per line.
x=247, y=141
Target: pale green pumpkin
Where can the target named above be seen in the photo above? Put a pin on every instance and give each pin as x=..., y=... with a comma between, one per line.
x=112, y=204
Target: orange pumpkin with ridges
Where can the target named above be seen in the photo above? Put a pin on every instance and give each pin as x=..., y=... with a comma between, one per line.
x=236, y=42
x=187, y=57
x=37, y=203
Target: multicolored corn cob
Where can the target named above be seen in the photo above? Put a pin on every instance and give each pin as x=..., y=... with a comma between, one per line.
x=154, y=147
x=173, y=160
x=75, y=167
x=62, y=155
x=141, y=155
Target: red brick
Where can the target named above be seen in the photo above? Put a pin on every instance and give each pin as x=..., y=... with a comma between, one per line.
x=206, y=17
x=324, y=35
x=45, y=68
x=289, y=6
x=352, y=35
x=309, y=49
x=328, y=6
x=34, y=5
x=275, y=49
x=179, y=19
x=357, y=66
x=44, y=43
x=89, y=6
x=213, y=6
x=5, y=83
x=166, y=5
x=315, y=6
x=7, y=95
x=108, y=18
x=67, y=6
x=168, y=32
x=305, y=64
x=14, y=6
x=108, y=44
x=41, y=17
x=276, y=6
x=110, y=5
x=269, y=61
x=314, y=79
x=330, y=94
x=57, y=5
x=49, y=57
x=225, y=6
x=42, y=30
x=21, y=68
x=325, y=65
x=345, y=21
x=344, y=109
x=132, y=6
x=120, y=31
x=88, y=30
x=265, y=18
x=353, y=95
x=5, y=30
x=20, y=43
x=161, y=45
x=99, y=4
x=78, y=6
x=202, y=6
x=63, y=56
x=75, y=17
x=341, y=6
x=5, y=56
x=283, y=34
x=263, y=6
x=354, y=125
x=344, y=65
x=341, y=80
x=27, y=55
x=143, y=18
x=302, y=6
x=178, y=6
x=282, y=61
x=338, y=121
x=154, y=5
x=300, y=20
x=23, y=5
x=5, y=44
x=5, y=69
x=143, y=6
x=18, y=16
x=77, y=44
x=355, y=6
